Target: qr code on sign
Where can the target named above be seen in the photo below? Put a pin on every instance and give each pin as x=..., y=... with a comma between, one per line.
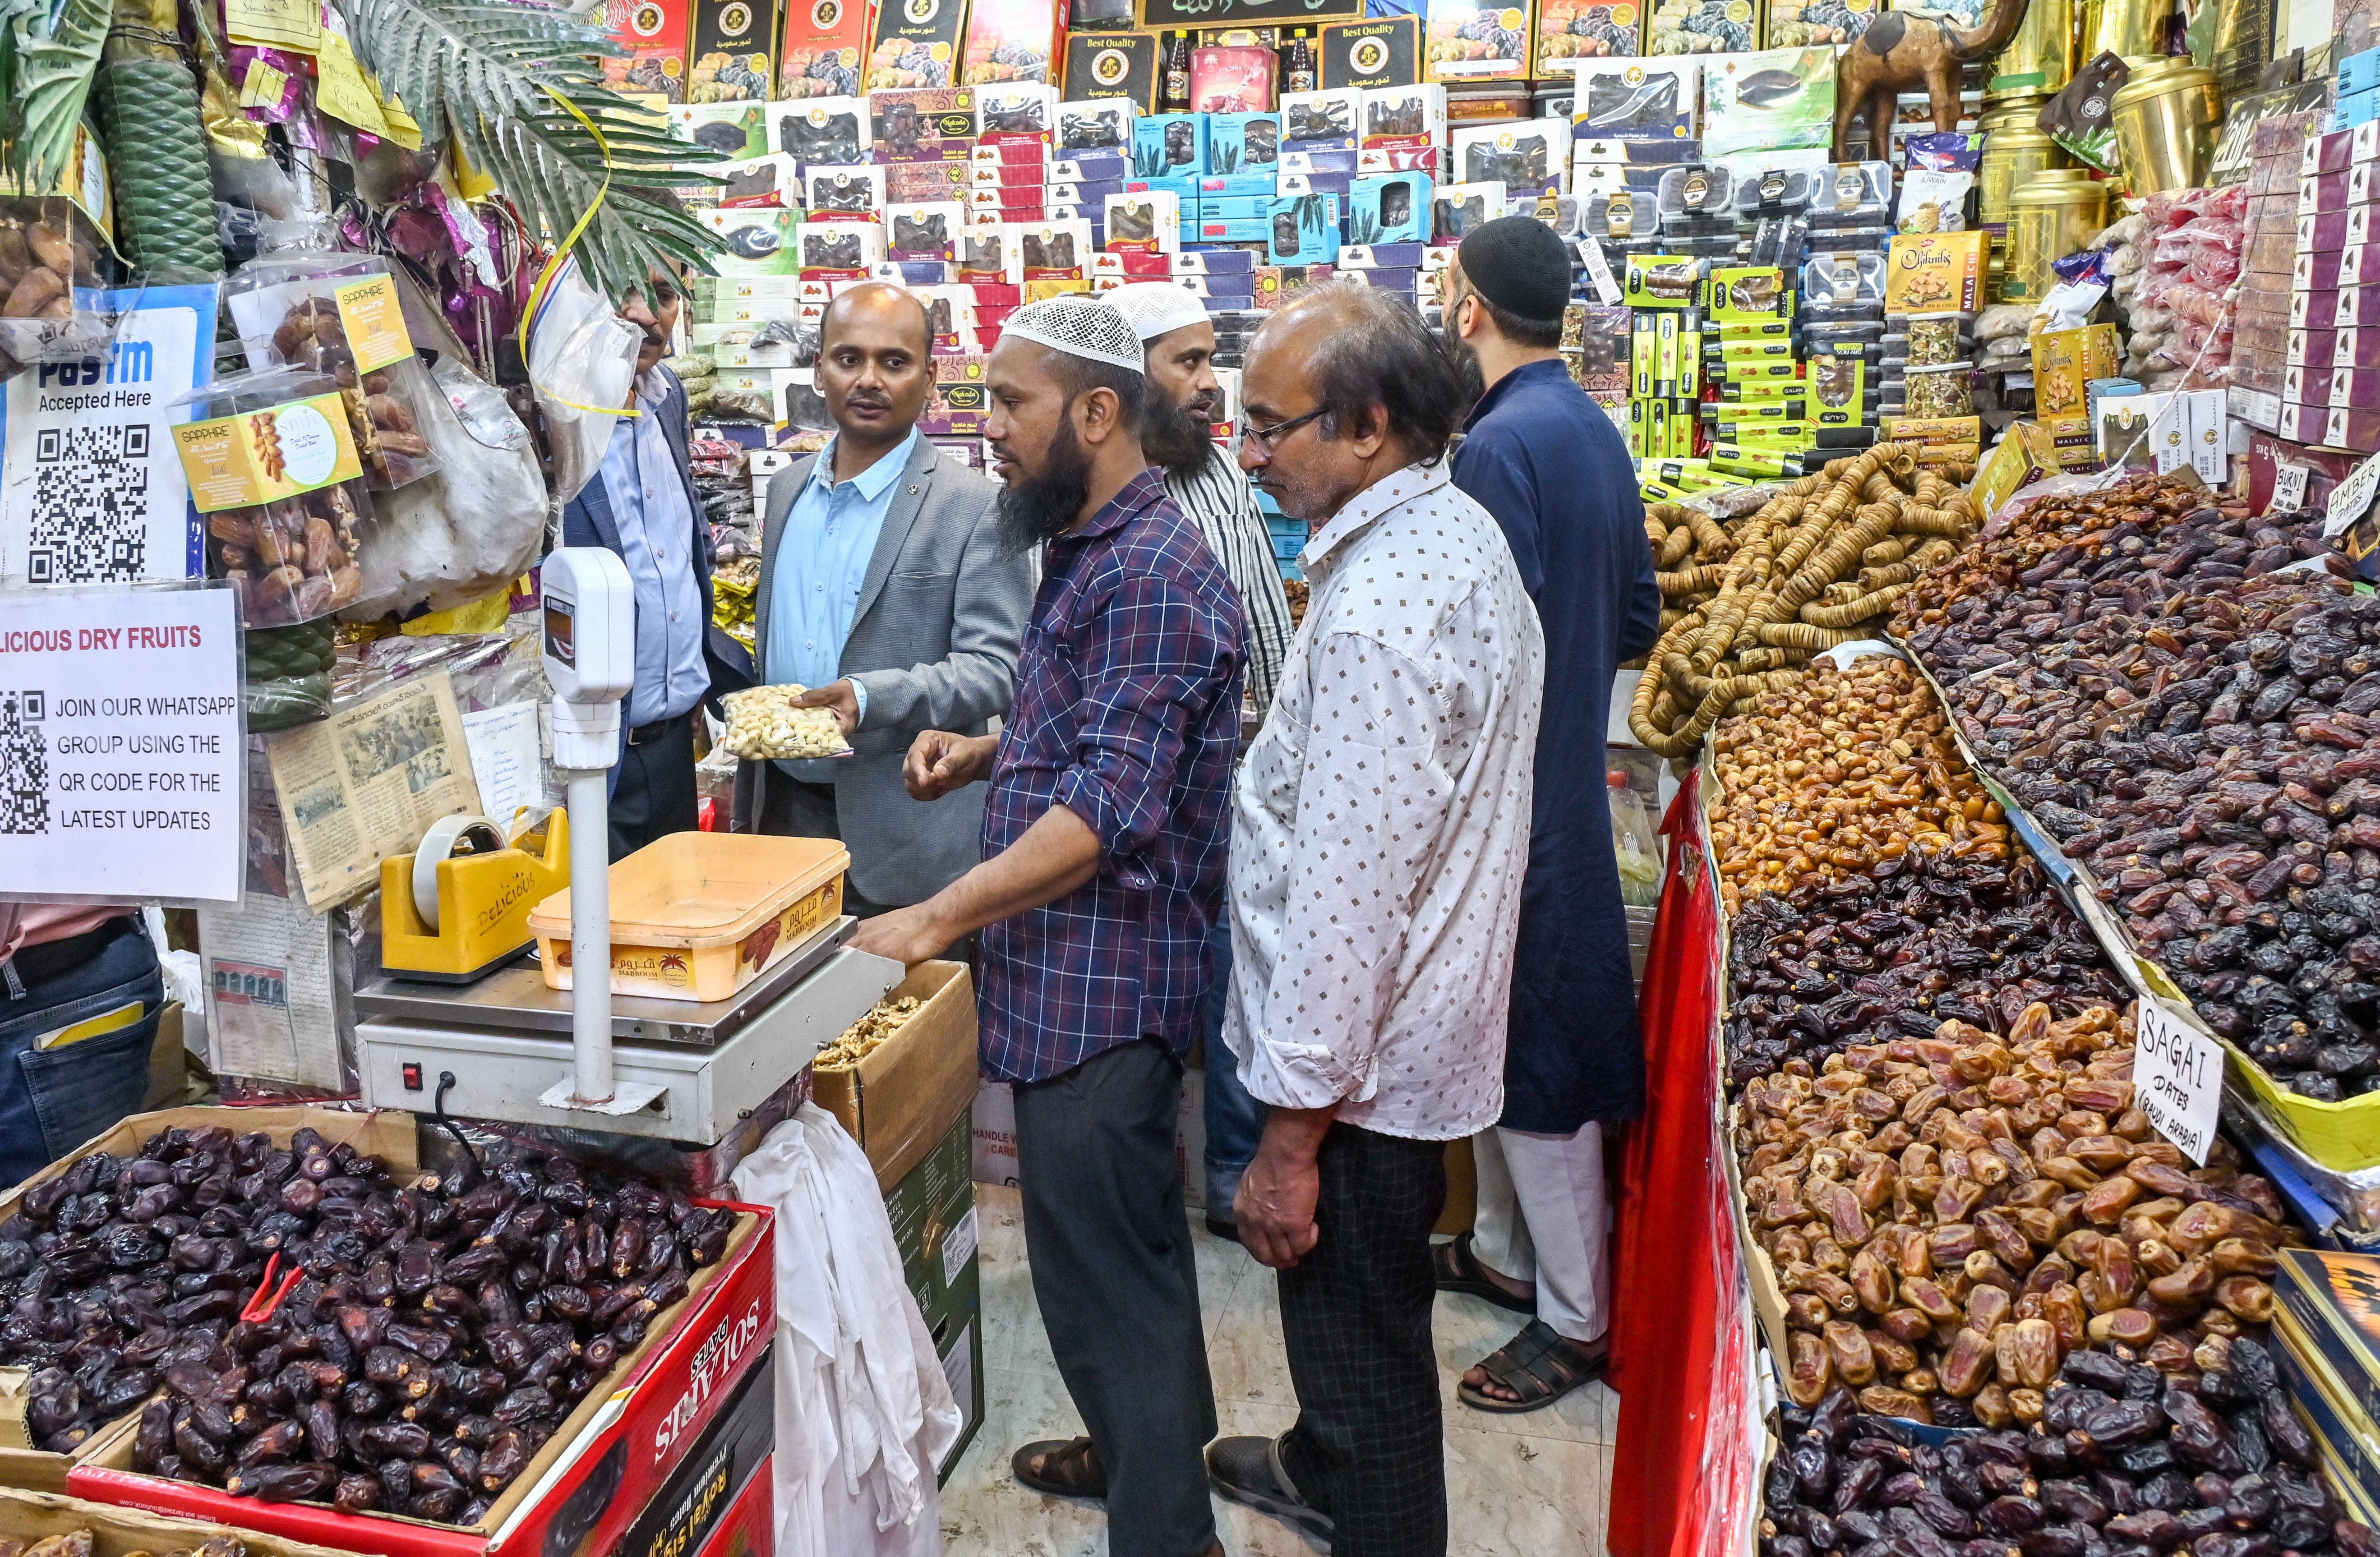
x=90, y=521
x=24, y=763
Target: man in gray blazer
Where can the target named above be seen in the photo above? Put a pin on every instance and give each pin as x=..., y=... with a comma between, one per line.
x=885, y=589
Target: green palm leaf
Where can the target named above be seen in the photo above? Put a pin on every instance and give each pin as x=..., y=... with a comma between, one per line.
x=46, y=65
x=479, y=73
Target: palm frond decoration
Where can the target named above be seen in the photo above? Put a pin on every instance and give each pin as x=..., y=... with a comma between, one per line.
x=47, y=59
x=500, y=82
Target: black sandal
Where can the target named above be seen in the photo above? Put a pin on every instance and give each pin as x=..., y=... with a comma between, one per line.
x=1067, y=1467
x=1540, y=1365
x=1458, y=1269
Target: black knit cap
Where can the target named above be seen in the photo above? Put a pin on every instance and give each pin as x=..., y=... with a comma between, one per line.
x=1517, y=263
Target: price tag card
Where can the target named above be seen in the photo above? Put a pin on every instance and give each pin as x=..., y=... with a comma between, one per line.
x=2289, y=487
x=2350, y=498
x=1598, y=270
x=2177, y=1079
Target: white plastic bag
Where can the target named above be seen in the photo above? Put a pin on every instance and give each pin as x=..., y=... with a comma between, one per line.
x=582, y=356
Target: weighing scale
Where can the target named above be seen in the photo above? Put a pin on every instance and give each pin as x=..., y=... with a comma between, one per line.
x=507, y=1047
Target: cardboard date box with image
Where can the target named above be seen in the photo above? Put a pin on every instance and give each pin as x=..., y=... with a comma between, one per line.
x=587, y=1485
x=898, y=1100
x=387, y=1135
x=935, y=1227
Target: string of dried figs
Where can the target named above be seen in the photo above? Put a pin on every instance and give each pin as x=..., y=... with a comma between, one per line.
x=312, y=335
x=419, y=1347
x=1952, y=1217
x=1818, y=563
x=2129, y=1459
x=2065, y=561
x=2216, y=767
x=1921, y=940
x=1822, y=779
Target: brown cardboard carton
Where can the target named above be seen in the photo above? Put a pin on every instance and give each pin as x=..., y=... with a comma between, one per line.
x=900, y=1100
x=124, y=1532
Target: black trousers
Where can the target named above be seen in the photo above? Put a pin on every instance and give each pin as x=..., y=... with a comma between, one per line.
x=791, y=809
x=1110, y=1246
x=655, y=796
x=1355, y=1313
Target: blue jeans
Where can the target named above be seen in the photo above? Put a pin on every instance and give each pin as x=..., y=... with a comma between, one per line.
x=1235, y=1120
x=53, y=1100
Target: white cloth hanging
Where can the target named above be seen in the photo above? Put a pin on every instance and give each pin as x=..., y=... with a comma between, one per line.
x=863, y=1412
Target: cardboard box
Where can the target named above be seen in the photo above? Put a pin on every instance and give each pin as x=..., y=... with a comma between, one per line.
x=390, y=1136
x=696, y=1500
x=1386, y=53
x=1315, y=121
x=824, y=42
x=734, y=55
x=916, y=46
x=1404, y=117
x=1113, y=64
x=935, y=1227
x=1169, y=146
x=29, y=1516
x=1012, y=40
x=655, y=33
x=589, y=1482
x=900, y=1100
x=749, y=1525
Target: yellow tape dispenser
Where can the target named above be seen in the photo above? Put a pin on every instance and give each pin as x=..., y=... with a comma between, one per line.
x=459, y=904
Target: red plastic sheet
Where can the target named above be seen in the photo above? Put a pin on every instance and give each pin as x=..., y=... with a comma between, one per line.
x=1682, y=1344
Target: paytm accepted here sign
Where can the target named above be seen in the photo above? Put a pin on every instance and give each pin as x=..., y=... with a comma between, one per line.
x=120, y=745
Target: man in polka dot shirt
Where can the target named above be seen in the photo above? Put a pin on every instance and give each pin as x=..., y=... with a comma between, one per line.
x=1380, y=833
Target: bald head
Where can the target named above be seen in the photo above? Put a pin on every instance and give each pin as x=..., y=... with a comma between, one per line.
x=875, y=370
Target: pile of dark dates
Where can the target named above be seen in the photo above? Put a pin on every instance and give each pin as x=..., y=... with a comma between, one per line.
x=2127, y=1462
x=323, y=1335
x=1916, y=942
x=2215, y=763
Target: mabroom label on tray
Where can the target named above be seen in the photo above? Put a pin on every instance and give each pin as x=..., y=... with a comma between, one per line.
x=120, y=745
x=2177, y=1079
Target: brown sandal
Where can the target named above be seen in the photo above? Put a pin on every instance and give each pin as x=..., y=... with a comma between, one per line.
x=1061, y=1467
x=1540, y=1365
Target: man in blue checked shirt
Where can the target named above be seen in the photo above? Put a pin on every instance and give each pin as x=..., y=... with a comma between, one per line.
x=1104, y=840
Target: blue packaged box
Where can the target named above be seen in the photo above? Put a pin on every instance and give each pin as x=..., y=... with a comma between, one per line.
x=1092, y=166
x=2355, y=108
x=917, y=272
x=1262, y=185
x=1251, y=230
x=1242, y=143
x=1169, y=146
x=1213, y=262
x=1393, y=281
x=1303, y=230
x=2359, y=72
x=1184, y=191
x=1389, y=208
x=1234, y=208
x=1235, y=303
x=1218, y=285
x=1320, y=161
x=1088, y=192
x=1380, y=256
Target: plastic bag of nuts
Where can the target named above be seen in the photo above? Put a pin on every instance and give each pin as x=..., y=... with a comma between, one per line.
x=763, y=722
x=303, y=304
x=272, y=466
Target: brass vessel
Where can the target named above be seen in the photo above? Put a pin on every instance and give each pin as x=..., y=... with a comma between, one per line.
x=2127, y=29
x=2051, y=214
x=2040, y=58
x=2165, y=119
x=2013, y=152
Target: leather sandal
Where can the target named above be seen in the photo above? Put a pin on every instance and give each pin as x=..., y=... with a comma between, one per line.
x=1061, y=1467
x=1458, y=1269
x=1540, y=1365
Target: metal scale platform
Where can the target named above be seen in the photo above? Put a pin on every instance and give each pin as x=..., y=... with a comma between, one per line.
x=686, y=1072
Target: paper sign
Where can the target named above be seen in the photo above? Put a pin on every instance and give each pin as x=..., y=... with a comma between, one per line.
x=269, y=992
x=506, y=760
x=120, y=745
x=2289, y=488
x=263, y=87
x=89, y=490
x=2350, y=498
x=1598, y=270
x=288, y=24
x=2177, y=1079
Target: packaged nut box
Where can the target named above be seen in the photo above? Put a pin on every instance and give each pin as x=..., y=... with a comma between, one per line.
x=272, y=466
x=302, y=304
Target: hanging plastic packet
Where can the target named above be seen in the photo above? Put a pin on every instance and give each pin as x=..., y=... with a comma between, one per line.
x=2081, y=117
x=303, y=303
x=2082, y=280
x=1935, y=187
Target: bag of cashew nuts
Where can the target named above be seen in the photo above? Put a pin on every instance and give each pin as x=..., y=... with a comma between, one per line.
x=301, y=303
x=276, y=476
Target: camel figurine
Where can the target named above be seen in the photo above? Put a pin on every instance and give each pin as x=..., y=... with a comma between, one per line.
x=1899, y=52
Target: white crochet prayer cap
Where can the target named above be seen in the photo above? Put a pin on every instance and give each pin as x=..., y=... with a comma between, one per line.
x=1156, y=308
x=1079, y=326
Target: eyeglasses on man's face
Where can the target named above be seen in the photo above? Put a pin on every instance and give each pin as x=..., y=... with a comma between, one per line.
x=1270, y=438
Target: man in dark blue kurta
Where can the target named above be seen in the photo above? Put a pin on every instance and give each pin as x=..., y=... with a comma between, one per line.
x=1549, y=465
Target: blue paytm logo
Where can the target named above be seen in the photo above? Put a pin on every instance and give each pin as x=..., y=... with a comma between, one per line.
x=128, y=361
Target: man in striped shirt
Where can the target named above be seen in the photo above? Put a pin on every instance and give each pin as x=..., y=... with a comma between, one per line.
x=1207, y=483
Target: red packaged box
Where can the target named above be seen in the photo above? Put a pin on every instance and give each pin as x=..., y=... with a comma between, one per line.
x=2266, y=453
x=1003, y=152
x=2358, y=389
x=2316, y=272
x=748, y=1528
x=2301, y=423
x=2309, y=348
x=655, y=34
x=2306, y=385
x=589, y=1482
x=990, y=295
x=2359, y=431
x=2322, y=192
x=2328, y=154
x=2323, y=230
x=1033, y=174
x=924, y=149
x=1232, y=81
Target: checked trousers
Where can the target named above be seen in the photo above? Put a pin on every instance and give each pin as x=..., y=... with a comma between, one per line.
x=1356, y=1315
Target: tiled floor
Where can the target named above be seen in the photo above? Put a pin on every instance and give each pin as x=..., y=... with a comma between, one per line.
x=1532, y=1484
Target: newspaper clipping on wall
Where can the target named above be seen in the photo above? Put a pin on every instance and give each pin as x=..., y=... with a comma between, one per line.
x=366, y=783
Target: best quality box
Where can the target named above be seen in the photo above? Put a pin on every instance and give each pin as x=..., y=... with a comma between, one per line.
x=587, y=1485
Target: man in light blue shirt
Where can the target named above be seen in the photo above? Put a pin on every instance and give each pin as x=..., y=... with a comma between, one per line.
x=885, y=591
x=642, y=504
